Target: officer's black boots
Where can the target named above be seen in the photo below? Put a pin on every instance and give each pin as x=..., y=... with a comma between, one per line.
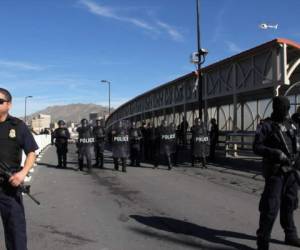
x=262, y=244
x=123, y=165
x=292, y=241
x=101, y=160
x=169, y=162
x=81, y=165
x=116, y=164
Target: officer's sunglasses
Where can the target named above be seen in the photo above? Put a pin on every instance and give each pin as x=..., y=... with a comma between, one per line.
x=2, y=101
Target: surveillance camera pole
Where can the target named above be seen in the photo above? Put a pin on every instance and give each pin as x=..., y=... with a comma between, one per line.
x=201, y=54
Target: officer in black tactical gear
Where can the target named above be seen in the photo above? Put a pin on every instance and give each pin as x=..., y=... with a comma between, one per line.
x=120, y=145
x=135, y=137
x=60, y=136
x=99, y=135
x=199, y=142
x=277, y=142
x=14, y=137
x=165, y=143
x=85, y=144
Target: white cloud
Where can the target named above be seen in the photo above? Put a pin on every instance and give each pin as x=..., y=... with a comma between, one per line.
x=175, y=35
x=233, y=47
x=104, y=11
x=155, y=27
x=16, y=65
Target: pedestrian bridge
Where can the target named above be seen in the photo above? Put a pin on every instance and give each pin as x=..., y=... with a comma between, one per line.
x=236, y=91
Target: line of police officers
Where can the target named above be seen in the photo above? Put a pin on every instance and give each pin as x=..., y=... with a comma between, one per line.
x=155, y=145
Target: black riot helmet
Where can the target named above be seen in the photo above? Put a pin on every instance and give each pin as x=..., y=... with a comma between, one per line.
x=197, y=121
x=84, y=123
x=61, y=123
x=100, y=122
x=281, y=107
x=133, y=125
x=164, y=123
x=120, y=124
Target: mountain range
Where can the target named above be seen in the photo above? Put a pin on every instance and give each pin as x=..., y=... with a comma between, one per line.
x=71, y=112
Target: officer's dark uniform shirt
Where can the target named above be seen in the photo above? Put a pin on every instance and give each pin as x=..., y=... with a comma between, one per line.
x=267, y=142
x=15, y=137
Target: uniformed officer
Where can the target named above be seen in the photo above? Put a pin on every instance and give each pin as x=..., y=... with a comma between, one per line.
x=60, y=136
x=135, y=137
x=120, y=145
x=165, y=143
x=85, y=144
x=199, y=142
x=99, y=135
x=14, y=137
x=277, y=142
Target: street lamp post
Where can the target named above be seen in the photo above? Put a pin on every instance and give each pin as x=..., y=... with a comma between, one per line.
x=200, y=59
x=25, y=117
x=108, y=82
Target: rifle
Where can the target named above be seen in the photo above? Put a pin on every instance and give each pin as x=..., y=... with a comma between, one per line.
x=7, y=173
x=292, y=157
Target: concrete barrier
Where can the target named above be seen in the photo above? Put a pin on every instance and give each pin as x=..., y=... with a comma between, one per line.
x=42, y=141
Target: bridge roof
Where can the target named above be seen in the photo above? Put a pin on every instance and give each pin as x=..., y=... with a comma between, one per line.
x=292, y=47
x=252, y=51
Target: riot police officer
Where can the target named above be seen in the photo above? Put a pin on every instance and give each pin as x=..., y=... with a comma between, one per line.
x=14, y=137
x=277, y=142
x=135, y=137
x=60, y=136
x=99, y=135
x=120, y=145
x=85, y=144
x=199, y=142
x=165, y=143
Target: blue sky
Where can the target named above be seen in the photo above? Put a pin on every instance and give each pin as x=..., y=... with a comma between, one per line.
x=59, y=50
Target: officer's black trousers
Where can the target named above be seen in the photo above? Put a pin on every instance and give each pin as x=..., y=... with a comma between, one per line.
x=135, y=155
x=62, y=150
x=202, y=159
x=85, y=152
x=13, y=218
x=168, y=158
x=280, y=192
x=62, y=159
x=99, y=155
x=116, y=163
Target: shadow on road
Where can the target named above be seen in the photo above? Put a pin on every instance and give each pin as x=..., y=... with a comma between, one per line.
x=190, y=229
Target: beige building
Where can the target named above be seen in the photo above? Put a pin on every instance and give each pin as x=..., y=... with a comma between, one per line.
x=40, y=122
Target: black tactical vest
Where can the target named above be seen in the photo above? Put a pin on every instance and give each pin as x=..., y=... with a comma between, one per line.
x=61, y=135
x=99, y=133
x=10, y=149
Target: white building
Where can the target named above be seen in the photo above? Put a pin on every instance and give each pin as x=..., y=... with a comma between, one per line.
x=40, y=122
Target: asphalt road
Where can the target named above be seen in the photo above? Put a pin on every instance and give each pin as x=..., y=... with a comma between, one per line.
x=143, y=209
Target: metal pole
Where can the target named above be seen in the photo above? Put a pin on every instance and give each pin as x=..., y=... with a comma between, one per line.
x=108, y=98
x=25, y=118
x=199, y=61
